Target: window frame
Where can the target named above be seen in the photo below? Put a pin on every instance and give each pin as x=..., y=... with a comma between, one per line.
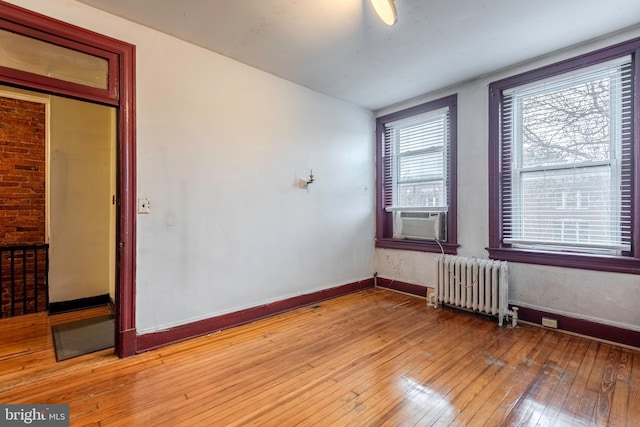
x=626, y=263
x=384, y=219
x=109, y=95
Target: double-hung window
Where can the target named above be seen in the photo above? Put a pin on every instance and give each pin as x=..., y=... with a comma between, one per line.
x=563, y=144
x=416, y=151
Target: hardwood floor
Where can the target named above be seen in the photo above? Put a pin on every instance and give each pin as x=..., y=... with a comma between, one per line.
x=375, y=358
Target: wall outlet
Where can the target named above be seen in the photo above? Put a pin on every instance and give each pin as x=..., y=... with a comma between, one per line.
x=144, y=206
x=550, y=323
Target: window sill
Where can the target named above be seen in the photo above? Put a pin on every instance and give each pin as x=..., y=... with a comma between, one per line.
x=416, y=245
x=613, y=264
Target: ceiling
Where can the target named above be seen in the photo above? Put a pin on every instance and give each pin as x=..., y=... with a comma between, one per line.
x=341, y=49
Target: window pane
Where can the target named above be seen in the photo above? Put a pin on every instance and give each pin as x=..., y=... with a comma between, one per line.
x=34, y=56
x=426, y=166
x=567, y=124
x=421, y=195
x=422, y=136
x=569, y=206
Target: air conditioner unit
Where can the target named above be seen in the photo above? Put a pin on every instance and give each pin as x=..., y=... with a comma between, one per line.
x=423, y=225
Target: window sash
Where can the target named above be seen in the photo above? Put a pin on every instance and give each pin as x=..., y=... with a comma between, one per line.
x=416, y=158
x=613, y=234
x=46, y=59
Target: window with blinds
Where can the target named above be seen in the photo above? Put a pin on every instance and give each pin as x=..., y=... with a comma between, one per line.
x=415, y=151
x=416, y=174
x=564, y=181
x=567, y=161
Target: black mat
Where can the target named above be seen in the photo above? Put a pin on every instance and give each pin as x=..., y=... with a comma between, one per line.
x=83, y=336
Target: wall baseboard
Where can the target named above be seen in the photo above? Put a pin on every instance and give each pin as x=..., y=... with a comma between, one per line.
x=78, y=304
x=126, y=342
x=573, y=325
x=407, y=288
x=582, y=327
x=153, y=340
x=150, y=341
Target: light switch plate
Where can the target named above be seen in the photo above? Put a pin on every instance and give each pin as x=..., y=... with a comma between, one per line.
x=144, y=206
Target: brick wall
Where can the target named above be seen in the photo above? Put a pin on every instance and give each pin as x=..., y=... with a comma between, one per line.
x=22, y=206
x=22, y=172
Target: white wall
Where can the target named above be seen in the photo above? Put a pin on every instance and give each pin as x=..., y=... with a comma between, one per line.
x=81, y=212
x=220, y=149
x=608, y=298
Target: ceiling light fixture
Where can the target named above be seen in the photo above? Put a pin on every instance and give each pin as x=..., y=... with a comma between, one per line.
x=386, y=10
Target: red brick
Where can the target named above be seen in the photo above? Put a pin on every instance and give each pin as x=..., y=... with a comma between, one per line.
x=22, y=172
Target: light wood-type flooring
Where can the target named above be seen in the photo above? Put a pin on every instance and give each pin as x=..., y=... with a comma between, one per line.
x=368, y=359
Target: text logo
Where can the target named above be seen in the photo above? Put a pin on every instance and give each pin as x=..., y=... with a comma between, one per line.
x=34, y=415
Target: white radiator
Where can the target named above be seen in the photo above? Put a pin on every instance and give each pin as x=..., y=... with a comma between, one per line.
x=479, y=285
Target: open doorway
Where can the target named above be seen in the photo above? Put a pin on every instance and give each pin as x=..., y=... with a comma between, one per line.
x=116, y=88
x=59, y=154
x=82, y=196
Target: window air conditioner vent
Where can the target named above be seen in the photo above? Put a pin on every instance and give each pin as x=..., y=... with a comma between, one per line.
x=422, y=225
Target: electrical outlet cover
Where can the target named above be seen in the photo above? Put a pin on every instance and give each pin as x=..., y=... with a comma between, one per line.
x=144, y=206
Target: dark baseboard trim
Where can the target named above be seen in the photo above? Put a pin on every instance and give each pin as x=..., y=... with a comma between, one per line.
x=78, y=304
x=126, y=342
x=407, y=288
x=574, y=325
x=150, y=341
x=584, y=327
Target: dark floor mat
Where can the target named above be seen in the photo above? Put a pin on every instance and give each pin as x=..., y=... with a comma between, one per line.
x=83, y=336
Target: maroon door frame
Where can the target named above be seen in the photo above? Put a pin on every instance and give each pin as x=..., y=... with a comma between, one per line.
x=121, y=94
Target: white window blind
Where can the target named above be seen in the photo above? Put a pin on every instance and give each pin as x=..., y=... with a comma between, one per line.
x=567, y=161
x=416, y=161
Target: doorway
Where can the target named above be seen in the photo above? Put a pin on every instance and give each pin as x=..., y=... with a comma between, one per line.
x=118, y=92
x=82, y=201
x=60, y=153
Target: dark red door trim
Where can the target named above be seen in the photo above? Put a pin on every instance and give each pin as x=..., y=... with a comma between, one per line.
x=120, y=93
